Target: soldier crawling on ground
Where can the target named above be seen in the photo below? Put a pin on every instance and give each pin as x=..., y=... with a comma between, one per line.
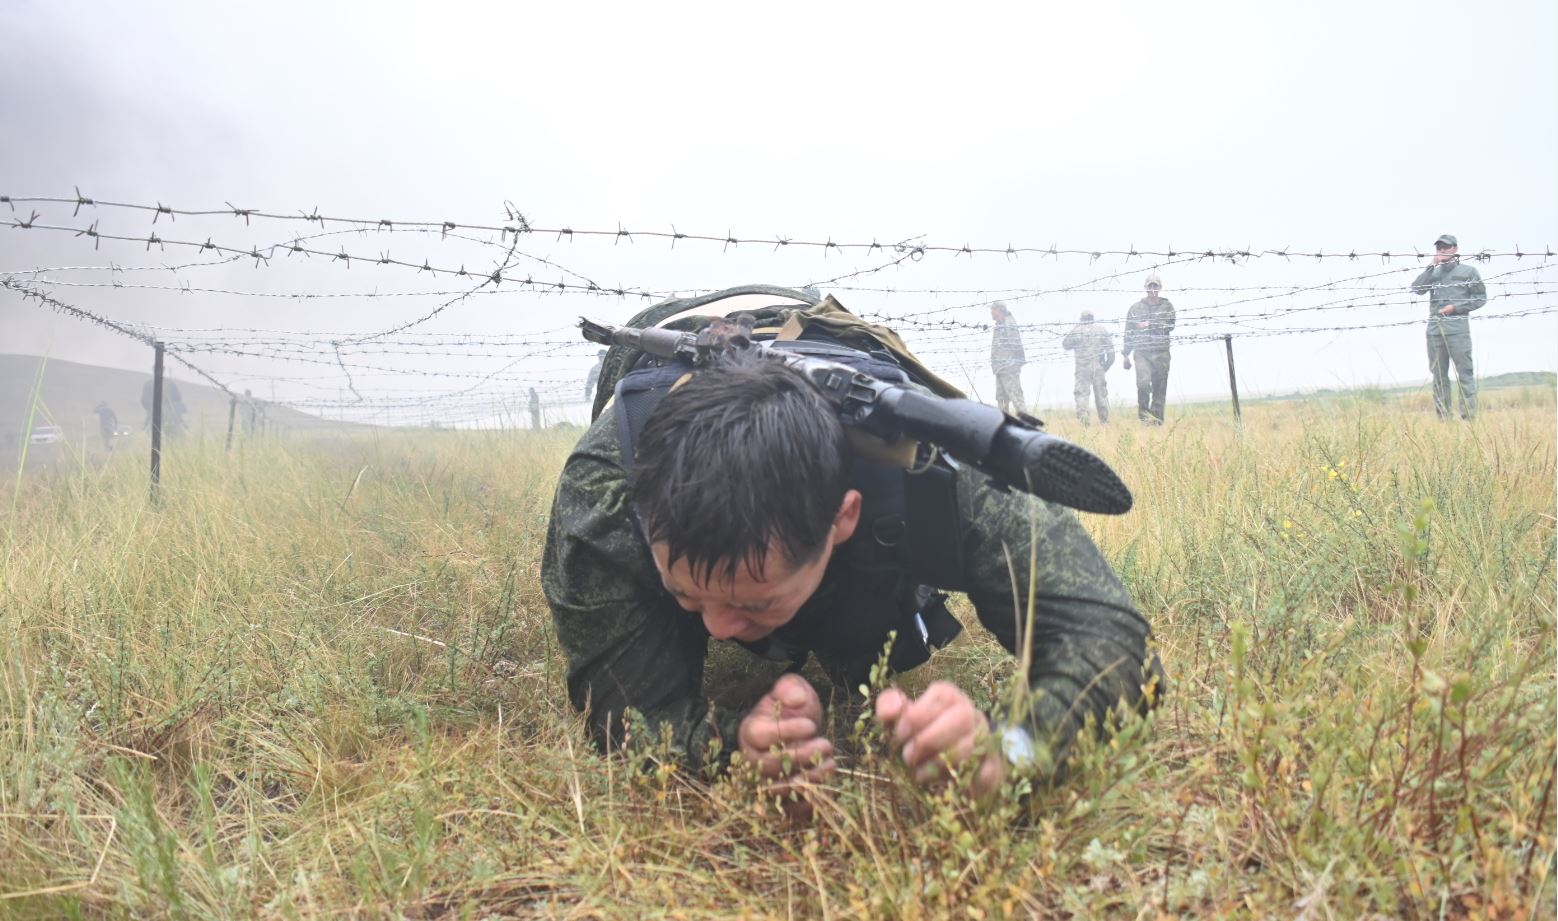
x=1094, y=348
x=734, y=509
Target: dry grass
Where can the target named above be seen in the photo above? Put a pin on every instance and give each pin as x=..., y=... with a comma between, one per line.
x=320, y=679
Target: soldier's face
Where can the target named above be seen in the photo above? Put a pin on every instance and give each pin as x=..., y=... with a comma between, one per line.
x=745, y=607
x=1152, y=292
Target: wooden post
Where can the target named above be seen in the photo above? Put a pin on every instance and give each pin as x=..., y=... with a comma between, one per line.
x=1233, y=381
x=156, y=420
x=232, y=415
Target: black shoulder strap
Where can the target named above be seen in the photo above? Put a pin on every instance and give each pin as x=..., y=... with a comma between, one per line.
x=637, y=395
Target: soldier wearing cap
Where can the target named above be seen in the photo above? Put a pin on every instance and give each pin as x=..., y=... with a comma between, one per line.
x=1454, y=290
x=1094, y=348
x=1147, y=327
x=1006, y=359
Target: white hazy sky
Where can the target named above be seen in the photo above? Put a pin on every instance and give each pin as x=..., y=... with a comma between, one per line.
x=1330, y=126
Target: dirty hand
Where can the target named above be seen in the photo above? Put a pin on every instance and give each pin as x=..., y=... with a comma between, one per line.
x=941, y=726
x=782, y=736
x=1446, y=310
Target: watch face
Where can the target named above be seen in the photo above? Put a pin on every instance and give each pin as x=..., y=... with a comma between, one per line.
x=1017, y=746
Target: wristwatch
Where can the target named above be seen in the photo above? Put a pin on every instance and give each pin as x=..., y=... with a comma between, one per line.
x=1017, y=746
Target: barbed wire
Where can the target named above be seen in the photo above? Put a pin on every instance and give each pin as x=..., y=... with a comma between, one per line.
x=518, y=224
x=264, y=254
x=913, y=320
x=110, y=325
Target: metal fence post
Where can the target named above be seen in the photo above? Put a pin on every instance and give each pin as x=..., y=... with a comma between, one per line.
x=156, y=420
x=1233, y=381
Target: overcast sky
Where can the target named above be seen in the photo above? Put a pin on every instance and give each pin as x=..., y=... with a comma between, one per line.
x=1095, y=126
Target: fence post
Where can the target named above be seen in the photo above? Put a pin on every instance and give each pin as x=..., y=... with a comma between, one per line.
x=156, y=420
x=1233, y=381
x=232, y=414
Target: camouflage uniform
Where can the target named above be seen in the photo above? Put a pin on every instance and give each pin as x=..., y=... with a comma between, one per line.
x=1457, y=285
x=1151, y=346
x=1094, y=348
x=1006, y=360
x=630, y=645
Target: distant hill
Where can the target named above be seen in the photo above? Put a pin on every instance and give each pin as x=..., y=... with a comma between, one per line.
x=70, y=391
x=1546, y=379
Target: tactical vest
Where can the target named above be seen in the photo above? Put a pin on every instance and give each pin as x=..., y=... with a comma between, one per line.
x=885, y=577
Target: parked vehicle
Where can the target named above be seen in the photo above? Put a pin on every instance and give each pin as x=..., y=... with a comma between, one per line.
x=47, y=434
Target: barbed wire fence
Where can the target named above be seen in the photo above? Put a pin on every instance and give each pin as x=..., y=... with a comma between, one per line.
x=383, y=375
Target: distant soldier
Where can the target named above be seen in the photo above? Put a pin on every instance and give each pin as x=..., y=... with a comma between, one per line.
x=593, y=378
x=172, y=407
x=1094, y=348
x=535, y=409
x=1454, y=290
x=1006, y=359
x=107, y=424
x=1147, y=327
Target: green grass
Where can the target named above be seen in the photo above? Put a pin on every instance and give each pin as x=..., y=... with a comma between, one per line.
x=213, y=708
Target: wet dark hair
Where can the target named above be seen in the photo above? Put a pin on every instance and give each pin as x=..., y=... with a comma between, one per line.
x=744, y=456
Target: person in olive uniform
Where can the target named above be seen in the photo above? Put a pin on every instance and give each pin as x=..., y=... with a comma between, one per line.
x=1094, y=348
x=1148, y=325
x=741, y=517
x=1006, y=359
x=593, y=377
x=107, y=424
x=1454, y=290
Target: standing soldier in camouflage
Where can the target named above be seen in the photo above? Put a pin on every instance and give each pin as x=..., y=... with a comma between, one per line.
x=1454, y=290
x=1094, y=348
x=1006, y=359
x=1147, y=327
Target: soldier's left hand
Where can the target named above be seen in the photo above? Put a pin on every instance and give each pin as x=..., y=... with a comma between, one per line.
x=1446, y=311
x=942, y=726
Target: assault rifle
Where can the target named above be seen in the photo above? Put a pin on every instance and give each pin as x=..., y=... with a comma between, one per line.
x=1013, y=450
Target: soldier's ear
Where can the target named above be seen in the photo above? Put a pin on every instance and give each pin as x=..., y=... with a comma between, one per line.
x=847, y=518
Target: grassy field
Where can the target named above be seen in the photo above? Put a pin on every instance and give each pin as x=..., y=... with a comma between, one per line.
x=320, y=678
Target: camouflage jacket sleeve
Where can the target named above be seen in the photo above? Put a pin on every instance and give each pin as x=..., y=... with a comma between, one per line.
x=1089, y=644
x=628, y=644
x=1071, y=339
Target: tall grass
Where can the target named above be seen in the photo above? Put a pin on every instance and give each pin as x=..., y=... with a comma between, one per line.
x=320, y=678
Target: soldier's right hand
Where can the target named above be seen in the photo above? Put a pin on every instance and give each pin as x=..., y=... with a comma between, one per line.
x=1127, y=363
x=782, y=737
